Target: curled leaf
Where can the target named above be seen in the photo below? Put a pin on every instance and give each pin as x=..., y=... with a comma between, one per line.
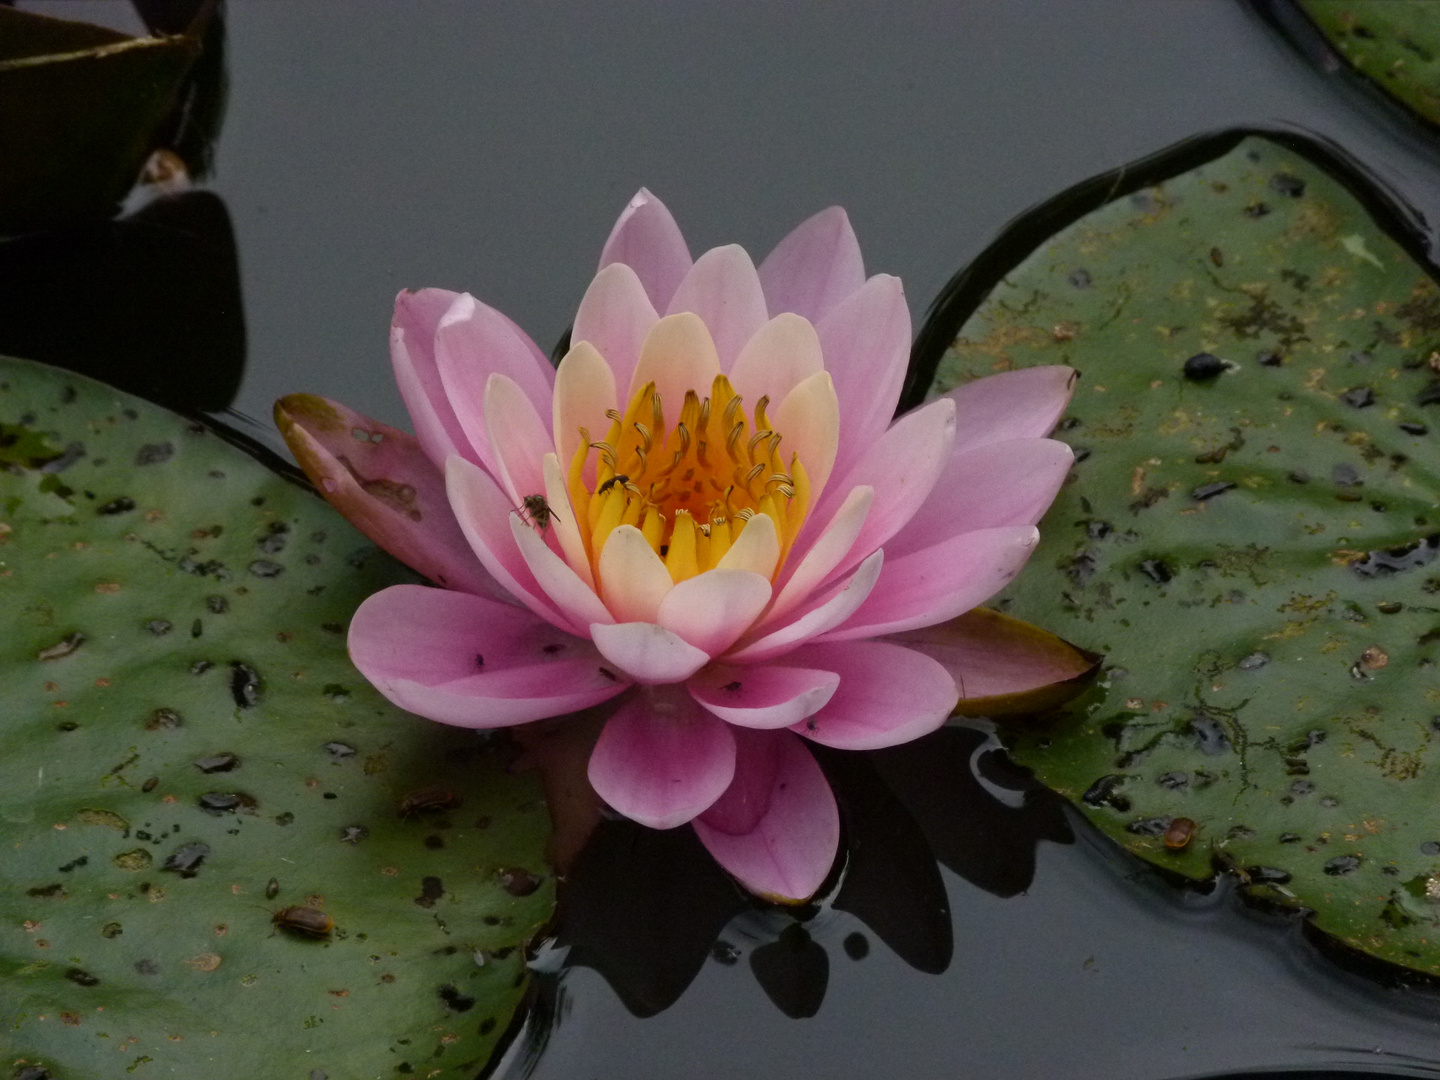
x=1004, y=667
x=382, y=482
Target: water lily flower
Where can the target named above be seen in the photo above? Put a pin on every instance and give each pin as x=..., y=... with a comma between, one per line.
x=705, y=513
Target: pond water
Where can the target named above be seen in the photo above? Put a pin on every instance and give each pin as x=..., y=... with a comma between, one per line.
x=379, y=145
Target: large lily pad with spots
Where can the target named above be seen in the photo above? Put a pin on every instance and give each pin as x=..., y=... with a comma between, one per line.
x=194, y=776
x=1252, y=530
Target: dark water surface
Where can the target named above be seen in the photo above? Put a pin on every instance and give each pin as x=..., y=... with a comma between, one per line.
x=370, y=146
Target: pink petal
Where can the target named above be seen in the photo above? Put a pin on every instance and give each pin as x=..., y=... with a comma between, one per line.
x=561, y=585
x=483, y=511
x=712, y=609
x=778, y=357
x=834, y=543
x=662, y=759
x=678, y=355
x=473, y=342
x=940, y=582
x=762, y=696
x=1024, y=404
x=815, y=267
x=724, y=290
x=615, y=316
x=985, y=487
x=902, y=467
x=384, y=484
x=647, y=240
x=564, y=522
x=794, y=826
x=866, y=341
x=888, y=695
x=519, y=439
x=412, y=354
x=472, y=662
x=648, y=653
x=823, y=612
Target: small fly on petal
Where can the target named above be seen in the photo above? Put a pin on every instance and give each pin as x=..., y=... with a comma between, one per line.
x=534, y=509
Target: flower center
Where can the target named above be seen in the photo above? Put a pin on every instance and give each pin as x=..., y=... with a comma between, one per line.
x=691, y=489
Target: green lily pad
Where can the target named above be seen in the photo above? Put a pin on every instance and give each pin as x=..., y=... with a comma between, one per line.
x=189, y=754
x=1252, y=534
x=1395, y=44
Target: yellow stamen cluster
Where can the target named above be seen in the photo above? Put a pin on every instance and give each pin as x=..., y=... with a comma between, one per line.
x=691, y=489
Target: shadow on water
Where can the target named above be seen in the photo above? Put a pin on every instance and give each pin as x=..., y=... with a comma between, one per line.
x=149, y=303
x=647, y=909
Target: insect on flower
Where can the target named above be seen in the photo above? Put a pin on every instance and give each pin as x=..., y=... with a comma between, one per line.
x=622, y=480
x=534, y=508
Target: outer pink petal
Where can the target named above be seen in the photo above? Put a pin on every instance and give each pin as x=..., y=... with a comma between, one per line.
x=712, y=609
x=1024, y=404
x=519, y=438
x=472, y=662
x=866, y=341
x=940, y=582
x=986, y=487
x=903, y=468
x=412, y=354
x=834, y=543
x=762, y=696
x=824, y=612
x=615, y=316
x=779, y=790
x=724, y=290
x=888, y=695
x=662, y=759
x=815, y=267
x=557, y=579
x=647, y=240
x=384, y=485
x=473, y=342
x=483, y=511
x=648, y=653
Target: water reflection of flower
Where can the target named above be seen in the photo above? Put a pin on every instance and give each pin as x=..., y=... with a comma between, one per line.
x=648, y=909
x=705, y=518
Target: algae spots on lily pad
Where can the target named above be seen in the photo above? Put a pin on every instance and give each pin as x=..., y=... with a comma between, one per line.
x=182, y=810
x=1254, y=550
